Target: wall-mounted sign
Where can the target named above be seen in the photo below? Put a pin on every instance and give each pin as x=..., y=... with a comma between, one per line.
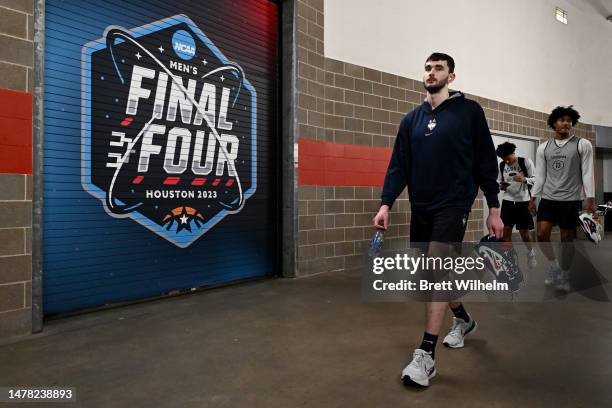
x=169, y=128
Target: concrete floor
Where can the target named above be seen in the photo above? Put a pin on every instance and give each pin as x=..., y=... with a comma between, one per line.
x=312, y=342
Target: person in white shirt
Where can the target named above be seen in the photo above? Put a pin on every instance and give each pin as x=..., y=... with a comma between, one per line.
x=564, y=177
x=516, y=175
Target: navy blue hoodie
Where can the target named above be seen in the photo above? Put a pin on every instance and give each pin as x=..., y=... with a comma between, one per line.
x=443, y=155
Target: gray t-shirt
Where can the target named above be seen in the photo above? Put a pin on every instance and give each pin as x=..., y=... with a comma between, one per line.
x=564, y=170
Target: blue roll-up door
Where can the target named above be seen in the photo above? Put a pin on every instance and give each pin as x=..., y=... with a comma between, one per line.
x=160, y=147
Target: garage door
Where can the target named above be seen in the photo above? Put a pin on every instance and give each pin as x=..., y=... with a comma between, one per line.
x=160, y=149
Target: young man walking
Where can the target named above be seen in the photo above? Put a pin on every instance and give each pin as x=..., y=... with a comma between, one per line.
x=564, y=176
x=443, y=152
x=516, y=178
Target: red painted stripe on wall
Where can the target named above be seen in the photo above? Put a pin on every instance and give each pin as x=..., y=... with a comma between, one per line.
x=334, y=164
x=15, y=132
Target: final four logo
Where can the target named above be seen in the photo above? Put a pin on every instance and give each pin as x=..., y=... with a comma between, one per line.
x=169, y=129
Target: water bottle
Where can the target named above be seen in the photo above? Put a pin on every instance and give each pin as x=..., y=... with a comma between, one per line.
x=376, y=243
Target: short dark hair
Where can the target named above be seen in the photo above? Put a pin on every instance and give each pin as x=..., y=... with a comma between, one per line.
x=440, y=56
x=561, y=111
x=505, y=149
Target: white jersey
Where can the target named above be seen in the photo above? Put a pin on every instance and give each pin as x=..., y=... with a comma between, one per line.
x=518, y=191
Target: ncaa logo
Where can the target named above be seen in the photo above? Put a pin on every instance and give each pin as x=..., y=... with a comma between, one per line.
x=169, y=145
x=184, y=45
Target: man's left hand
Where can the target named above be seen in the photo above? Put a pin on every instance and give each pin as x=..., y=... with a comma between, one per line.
x=494, y=223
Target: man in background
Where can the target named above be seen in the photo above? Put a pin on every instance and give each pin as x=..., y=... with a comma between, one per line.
x=516, y=179
x=564, y=176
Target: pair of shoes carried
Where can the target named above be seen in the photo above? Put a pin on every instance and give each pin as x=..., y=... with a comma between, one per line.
x=422, y=368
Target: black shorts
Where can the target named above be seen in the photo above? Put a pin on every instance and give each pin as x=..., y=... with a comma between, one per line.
x=516, y=213
x=561, y=213
x=442, y=225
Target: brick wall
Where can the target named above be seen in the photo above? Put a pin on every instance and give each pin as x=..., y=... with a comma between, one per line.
x=342, y=104
x=16, y=62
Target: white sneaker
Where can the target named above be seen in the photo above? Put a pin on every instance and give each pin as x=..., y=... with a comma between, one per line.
x=551, y=274
x=532, y=261
x=563, y=284
x=420, y=370
x=460, y=329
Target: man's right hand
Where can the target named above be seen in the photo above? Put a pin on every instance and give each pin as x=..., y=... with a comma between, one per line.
x=381, y=219
x=532, y=207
